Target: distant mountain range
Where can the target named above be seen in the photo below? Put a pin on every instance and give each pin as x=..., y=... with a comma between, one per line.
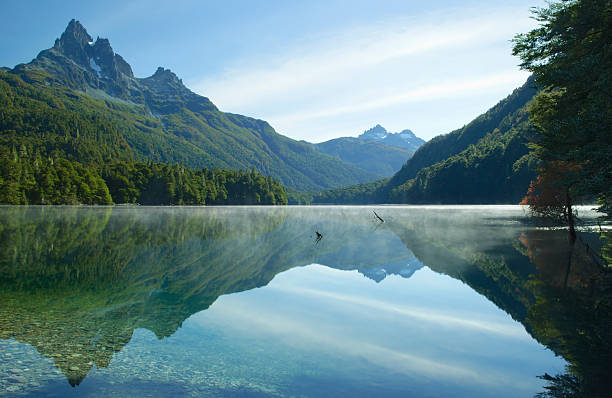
x=376, y=150
x=155, y=118
x=368, y=155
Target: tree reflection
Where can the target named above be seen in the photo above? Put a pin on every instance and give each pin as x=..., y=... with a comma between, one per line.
x=572, y=314
x=76, y=282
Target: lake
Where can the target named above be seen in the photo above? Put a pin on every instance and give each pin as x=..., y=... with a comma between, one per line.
x=436, y=301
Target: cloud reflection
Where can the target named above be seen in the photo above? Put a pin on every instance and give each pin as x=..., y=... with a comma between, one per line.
x=327, y=312
x=445, y=320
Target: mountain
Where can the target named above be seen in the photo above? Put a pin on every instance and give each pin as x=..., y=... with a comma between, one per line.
x=368, y=155
x=376, y=150
x=486, y=161
x=445, y=146
x=405, y=269
x=404, y=139
x=83, y=82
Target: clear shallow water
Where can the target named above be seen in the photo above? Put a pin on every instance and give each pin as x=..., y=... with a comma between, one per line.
x=436, y=301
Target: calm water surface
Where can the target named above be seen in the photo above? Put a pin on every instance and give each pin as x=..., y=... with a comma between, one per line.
x=462, y=301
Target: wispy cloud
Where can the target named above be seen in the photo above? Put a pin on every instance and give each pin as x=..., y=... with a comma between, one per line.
x=451, y=89
x=373, y=68
x=328, y=61
x=299, y=332
x=444, y=320
x=396, y=325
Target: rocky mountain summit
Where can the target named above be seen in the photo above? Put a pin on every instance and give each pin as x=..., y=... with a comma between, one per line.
x=404, y=139
x=92, y=66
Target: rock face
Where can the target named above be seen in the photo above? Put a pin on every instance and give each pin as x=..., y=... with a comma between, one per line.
x=76, y=60
x=81, y=63
x=75, y=43
x=164, y=93
x=404, y=139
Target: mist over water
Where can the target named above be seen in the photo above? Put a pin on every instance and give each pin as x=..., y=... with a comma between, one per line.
x=251, y=301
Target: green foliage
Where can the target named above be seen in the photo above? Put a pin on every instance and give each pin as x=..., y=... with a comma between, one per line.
x=53, y=142
x=36, y=180
x=353, y=194
x=496, y=169
x=52, y=124
x=570, y=54
x=162, y=184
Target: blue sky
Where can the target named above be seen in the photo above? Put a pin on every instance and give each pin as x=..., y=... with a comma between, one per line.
x=314, y=69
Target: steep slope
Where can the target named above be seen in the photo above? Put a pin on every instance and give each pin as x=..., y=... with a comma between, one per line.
x=497, y=169
x=404, y=139
x=369, y=155
x=162, y=120
x=447, y=145
x=487, y=161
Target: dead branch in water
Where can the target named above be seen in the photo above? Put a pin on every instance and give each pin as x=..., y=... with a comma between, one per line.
x=319, y=236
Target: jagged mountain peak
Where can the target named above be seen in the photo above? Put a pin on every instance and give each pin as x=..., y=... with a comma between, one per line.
x=74, y=43
x=102, y=45
x=76, y=32
x=163, y=120
x=80, y=62
x=375, y=133
x=404, y=139
x=77, y=45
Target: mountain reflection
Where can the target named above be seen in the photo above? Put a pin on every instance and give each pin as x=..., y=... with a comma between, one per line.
x=76, y=282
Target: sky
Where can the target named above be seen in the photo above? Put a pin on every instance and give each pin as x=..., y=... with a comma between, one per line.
x=315, y=70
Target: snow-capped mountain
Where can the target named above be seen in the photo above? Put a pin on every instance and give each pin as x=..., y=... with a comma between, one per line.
x=404, y=139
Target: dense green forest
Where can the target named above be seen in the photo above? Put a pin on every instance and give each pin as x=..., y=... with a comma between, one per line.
x=159, y=184
x=36, y=180
x=547, y=145
x=57, y=116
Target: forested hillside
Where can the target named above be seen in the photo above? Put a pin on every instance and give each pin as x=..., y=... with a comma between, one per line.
x=59, y=147
x=369, y=155
x=501, y=116
x=487, y=161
